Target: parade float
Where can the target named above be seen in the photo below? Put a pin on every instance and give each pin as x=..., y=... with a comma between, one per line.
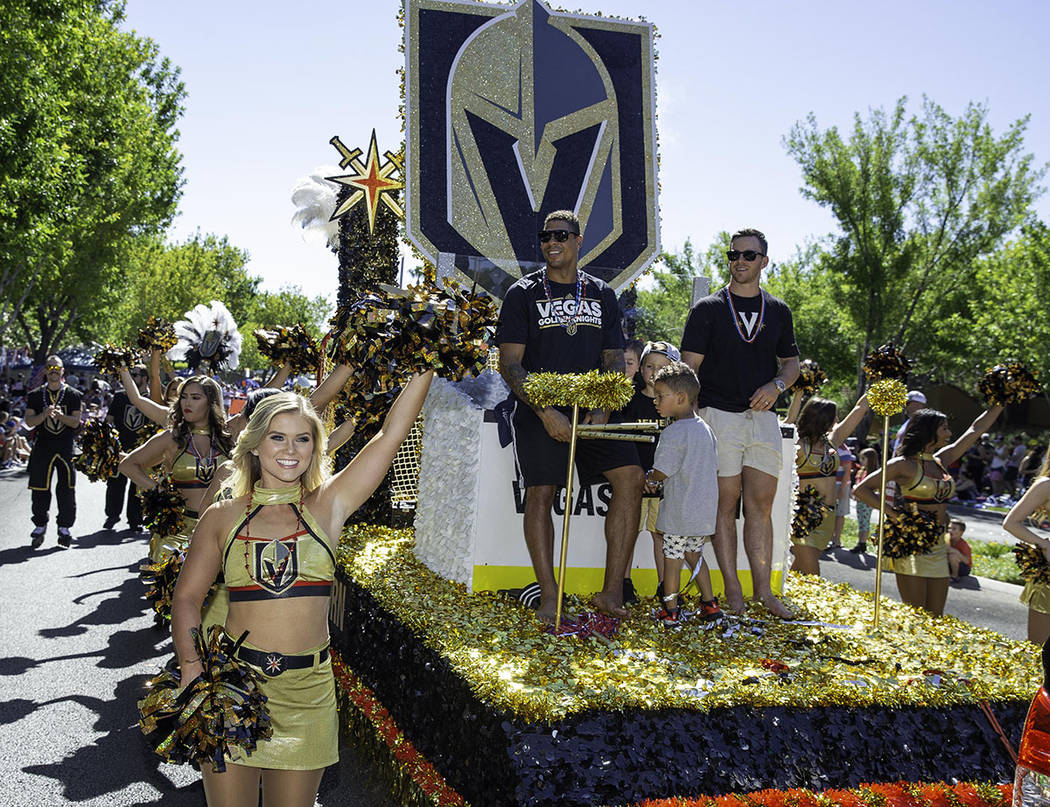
x=458, y=692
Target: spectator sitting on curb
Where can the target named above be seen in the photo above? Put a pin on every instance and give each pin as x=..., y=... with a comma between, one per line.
x=960, y=556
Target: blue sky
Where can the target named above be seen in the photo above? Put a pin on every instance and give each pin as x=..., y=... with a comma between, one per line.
x=270, y=82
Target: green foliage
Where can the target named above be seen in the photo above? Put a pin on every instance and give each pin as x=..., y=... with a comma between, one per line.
x=166, y=280
x=662, y=311
x=87, y=130
x=920, y=200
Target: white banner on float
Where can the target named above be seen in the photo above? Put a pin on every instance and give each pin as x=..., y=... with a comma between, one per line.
x=468, y=521
x=501, y=559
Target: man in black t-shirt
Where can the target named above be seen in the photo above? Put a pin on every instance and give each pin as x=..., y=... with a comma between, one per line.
x=561, y=319
x=53, y=412
x=131, y=426
x=741, y=343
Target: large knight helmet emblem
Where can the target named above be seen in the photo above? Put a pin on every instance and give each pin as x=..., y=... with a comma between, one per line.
x=532, y=124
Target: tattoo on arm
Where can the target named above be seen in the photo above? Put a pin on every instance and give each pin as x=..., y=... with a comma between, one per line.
x=613, y=361
x=515, y=375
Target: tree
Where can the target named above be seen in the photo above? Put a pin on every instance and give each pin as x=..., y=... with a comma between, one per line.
x=662, y=311
x=87, y=127
x=166, y=280
x=918, y=200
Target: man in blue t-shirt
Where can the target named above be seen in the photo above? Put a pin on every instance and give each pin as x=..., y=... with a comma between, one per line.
x=740, y=341
x=561, y=319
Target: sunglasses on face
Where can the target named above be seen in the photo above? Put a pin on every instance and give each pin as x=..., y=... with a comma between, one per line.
x=561, y=236
x=54, y=368
x=747, y=254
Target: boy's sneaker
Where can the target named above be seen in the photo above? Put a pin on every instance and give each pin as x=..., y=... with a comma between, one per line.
x=672, y=619
x=37, y=536
x=709, y=610
x=630, y=597
x=65, y=537
x=109, y=523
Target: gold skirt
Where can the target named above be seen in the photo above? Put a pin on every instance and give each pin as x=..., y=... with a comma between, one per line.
x=303, y=717
x=931, y=564
x=1037, y=597
x=820, y=536
x=218, y=603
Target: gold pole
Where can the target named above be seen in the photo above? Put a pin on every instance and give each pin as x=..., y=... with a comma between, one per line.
x=882, y=514
x=568, y=513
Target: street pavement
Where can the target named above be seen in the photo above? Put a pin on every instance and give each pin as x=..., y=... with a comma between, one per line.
x=78, y=646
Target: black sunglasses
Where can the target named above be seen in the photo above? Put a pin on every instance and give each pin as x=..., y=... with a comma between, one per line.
x=561, y=236
x=748, y=254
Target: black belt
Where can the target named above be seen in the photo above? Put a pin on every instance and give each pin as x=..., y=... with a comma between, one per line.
x=273, y=664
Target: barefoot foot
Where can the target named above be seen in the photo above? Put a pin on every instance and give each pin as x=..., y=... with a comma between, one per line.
x=776, y=607
x=610, y=604
x=735, y=602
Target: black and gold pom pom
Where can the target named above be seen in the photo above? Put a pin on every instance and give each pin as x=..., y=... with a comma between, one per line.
x=162, y=508
x=810, y=378
x=887, y=361
x=387, y=335
x=1031, y=560
x=809, y=512
x=160, y=579
x=220, y=709
x=1008, y=383
x=111, y=358
x=916, y=533
x=157, y=334
x=99, y=450
x=294, y=346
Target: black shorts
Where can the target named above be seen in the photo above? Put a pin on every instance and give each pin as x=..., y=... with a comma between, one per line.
x=542, y=460
x=964, y=568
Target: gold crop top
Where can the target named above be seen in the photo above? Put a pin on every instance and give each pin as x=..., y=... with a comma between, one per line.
x=827, y=466
x=190, y=471
x=929, y=489
x=298, y=565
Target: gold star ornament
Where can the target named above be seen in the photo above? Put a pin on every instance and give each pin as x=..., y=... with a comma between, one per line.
x=372, y=179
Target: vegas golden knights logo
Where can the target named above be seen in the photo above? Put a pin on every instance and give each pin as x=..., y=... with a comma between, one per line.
x=529, y=119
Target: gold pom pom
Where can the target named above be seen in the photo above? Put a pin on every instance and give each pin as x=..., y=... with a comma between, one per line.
x=111, y=358
x=593, y=390
x=810, y=378
x=157, y=334
x=887, y=397
x=1008, y=383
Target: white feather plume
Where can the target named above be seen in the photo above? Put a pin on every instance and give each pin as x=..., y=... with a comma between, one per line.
x=206, y=326
x=315, y=198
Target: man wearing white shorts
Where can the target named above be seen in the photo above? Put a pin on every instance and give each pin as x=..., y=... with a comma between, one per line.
x=741, y=343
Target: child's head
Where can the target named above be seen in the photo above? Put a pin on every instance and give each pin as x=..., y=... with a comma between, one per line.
x=869, y=459
x=655, y=357
x=956, y=529
x=677, y=389
x=632, y=357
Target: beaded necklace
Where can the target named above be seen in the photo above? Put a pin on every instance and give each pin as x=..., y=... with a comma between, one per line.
x=271, y=496
x=205, y=466
x=736, y=317
x=55, y=401
x=568, y=323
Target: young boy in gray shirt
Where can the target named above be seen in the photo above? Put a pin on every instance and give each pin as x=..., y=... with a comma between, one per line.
x=687, y=463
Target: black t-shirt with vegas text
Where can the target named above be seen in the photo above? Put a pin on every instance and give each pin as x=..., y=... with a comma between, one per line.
x=543, y=324
x=734, y=368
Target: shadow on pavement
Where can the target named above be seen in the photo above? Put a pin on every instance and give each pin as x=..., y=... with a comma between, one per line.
x=119, y=757
x=128, y=603
x=859, y=561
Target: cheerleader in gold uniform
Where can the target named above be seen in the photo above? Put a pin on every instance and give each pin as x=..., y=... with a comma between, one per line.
x=1035, y=595
x=276, y=542
x=189, y=450
x=920, y=475
x=817, y=462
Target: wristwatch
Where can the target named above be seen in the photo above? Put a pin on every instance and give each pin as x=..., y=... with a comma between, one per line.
x=779, y=384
